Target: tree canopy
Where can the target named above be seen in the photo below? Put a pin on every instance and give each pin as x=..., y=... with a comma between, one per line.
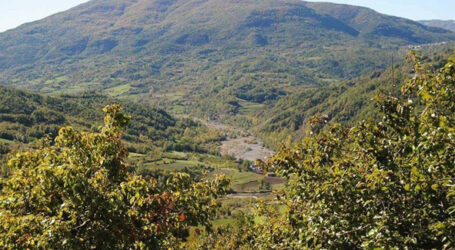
x=387, y=183
x=379, y=184
x=78, y=193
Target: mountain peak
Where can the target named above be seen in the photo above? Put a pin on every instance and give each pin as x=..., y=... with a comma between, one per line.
x=144, y=49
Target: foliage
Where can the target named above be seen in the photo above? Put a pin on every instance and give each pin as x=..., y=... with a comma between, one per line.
x=262, y=228
x=347, y=102
x=203, y=57
x=26, y=117
x=77, y=193
x=445, y=24
x=379, y=184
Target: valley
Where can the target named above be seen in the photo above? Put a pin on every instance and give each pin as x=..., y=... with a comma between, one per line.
x=246, y=148
x=239, y=143
x=181, y=56
x=227, y=124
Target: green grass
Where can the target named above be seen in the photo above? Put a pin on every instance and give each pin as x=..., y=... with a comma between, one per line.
x=118, y=90
x=250, y=107
x=176, y=155
x=134, y=155
x=242, y=181
x=172, y=165
x=6, y=141
x=223, y=222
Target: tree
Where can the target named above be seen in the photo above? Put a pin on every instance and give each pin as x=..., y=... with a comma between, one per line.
x=381, y=184
x=78, y=193
x=388, y=183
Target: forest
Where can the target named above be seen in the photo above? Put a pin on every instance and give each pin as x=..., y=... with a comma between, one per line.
x=253, y=124
x=385, y=181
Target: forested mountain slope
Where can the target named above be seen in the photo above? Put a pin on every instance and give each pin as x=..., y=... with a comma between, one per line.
x=26, y=117
x=347, y=102
x=185, y=54
x=445, y=24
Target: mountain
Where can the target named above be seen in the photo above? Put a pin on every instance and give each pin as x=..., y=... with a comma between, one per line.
x=444, y=24
x=347, y=102
x=26, y=117
x=376, y=26
x=206, y=57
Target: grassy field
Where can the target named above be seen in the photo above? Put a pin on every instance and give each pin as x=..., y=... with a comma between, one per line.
x=249, y=188
x=5, y=141
x=242, y=180
x=135, y=155
x=118, y=90
x=250, y=107
x=173, y=165
x=230, y=207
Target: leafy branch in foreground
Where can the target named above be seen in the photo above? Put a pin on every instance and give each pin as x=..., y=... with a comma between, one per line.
x=381, y=184
x=388, y=183
x=79, y=194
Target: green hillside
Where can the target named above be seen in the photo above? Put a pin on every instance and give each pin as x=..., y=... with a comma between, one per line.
x=347, y=102
x=26, y=117
x=227, y=124
x=208, y=58
x=158, y=142
x=373, y=25
x=444, y=24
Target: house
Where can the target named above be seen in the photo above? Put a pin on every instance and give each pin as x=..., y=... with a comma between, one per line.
x=256, y=168
x=270, y=174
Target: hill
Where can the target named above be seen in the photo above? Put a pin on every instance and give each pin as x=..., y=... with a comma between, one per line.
x=209, y=58
x=158, y=143
x=347, y=102
x=444, y=24
x=26, y=117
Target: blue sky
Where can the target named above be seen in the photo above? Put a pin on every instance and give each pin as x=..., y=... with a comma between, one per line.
x=412, y=9
x=16, y=12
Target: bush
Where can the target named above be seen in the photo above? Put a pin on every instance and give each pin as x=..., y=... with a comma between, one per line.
x=79, y=194
x=379, y=184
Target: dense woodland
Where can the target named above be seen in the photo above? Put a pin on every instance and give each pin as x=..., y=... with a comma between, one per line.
x=114, y=117
x=346, y=102
x=79, y=194
x=386, y=184
x=26, y=117
x=445, y=24
x=182, y=55
x=376, y=184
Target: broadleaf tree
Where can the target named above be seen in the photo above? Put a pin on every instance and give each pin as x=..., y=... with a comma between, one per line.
x=78, y=193
x=388, y=182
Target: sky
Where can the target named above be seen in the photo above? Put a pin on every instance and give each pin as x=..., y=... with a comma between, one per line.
x=16, y=12
x=412, y=9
